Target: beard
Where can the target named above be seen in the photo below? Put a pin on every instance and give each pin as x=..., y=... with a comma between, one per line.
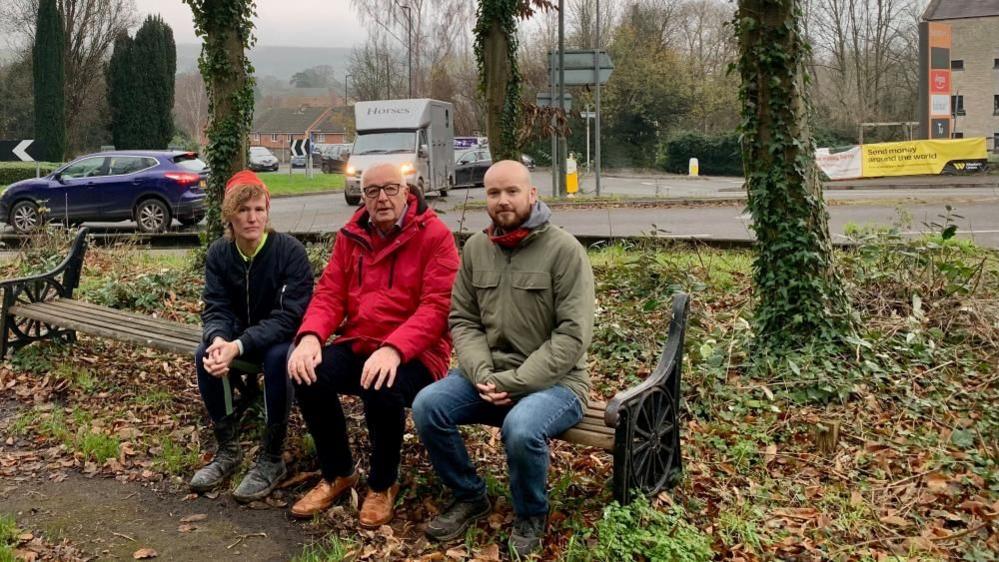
x=510, y=219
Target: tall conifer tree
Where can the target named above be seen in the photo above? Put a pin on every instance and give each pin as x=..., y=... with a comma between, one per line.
x=155, y=60
x=126, y=126
x=49, y=81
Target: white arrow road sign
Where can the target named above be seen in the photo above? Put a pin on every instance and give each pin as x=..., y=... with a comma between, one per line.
x=20, y=149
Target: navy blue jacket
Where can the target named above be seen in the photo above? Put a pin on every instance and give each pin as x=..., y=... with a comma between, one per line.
x=262, y=301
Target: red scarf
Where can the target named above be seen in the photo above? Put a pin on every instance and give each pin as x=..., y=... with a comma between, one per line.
x=509, y=240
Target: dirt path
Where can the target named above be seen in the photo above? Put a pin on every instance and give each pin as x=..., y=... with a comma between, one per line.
x=100, y=517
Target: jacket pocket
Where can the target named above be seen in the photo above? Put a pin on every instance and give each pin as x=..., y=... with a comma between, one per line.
x=531, y=280
x=485, y=279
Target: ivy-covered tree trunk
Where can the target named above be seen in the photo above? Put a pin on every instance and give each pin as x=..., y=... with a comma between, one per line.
x=226, y=26
x=800, y=299
x=49, y=81
x=499, y=77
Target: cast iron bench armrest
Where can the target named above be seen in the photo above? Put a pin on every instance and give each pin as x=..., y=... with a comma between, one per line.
x=646, y=421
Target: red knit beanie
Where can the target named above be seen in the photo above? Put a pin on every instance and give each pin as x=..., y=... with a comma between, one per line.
x=246, y=177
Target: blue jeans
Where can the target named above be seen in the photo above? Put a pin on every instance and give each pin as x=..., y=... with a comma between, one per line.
x=526, y=425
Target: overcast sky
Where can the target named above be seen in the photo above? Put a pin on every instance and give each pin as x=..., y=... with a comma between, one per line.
x=295, y=23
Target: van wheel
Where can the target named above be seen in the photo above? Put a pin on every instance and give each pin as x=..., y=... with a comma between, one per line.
x=152, y=215
x=352, y=201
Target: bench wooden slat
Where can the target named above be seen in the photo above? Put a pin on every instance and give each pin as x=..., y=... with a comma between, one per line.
x=589, y=438
x=159, y=325
x=181, y=338
x=88, y=325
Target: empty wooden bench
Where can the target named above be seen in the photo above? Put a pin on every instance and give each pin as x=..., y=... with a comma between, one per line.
x=639, y=426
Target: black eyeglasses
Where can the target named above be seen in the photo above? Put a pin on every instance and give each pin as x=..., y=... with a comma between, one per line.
x=390, y=189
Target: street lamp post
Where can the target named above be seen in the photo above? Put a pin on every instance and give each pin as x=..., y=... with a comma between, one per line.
x=409, y=42
x=346, y=88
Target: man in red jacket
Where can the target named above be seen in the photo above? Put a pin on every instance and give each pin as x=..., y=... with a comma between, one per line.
x=386, y=292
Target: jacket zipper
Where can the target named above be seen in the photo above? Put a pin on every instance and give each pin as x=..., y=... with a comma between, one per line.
x=281, y=300
x=249, y=321
x=392, y=270
x=360, y=268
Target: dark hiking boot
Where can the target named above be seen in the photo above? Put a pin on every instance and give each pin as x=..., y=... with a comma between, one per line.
x=456, y=518
x=261, y=480
x=227, y=458
x=268, y=471
x=528, y=532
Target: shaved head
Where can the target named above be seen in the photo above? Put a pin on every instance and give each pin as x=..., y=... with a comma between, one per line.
x=508, y=171
x=510, y=194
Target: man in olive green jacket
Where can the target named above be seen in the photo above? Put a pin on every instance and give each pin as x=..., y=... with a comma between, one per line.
x=521, y=321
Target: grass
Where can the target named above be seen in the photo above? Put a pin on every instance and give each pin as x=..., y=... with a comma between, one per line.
x=174, y=459
x=283, y=184
x=8, y=537
x=330, y=549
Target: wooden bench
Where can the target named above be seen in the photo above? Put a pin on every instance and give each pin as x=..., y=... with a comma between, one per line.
x=639, y=426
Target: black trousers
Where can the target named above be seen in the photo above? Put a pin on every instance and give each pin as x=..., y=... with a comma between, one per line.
x=384, y=411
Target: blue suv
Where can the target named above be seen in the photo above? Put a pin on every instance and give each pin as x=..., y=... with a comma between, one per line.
x=150, y=187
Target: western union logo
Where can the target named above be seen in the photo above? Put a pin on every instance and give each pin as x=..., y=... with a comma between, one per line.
x=959, y=165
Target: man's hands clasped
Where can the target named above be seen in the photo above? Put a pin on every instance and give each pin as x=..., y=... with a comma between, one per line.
x=379, y=370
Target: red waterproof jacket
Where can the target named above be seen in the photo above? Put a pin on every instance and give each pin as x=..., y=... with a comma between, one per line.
x=394, y=291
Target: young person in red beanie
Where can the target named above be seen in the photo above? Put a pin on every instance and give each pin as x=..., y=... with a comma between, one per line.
x=257, y=285
x=386, y=292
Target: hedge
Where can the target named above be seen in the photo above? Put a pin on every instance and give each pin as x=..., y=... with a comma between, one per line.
x=717, y=155
x=11, y=172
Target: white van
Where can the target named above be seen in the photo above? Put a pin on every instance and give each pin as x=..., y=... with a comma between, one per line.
x=417, y=135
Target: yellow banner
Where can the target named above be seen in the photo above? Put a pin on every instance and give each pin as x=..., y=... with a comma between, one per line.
x=918, y=157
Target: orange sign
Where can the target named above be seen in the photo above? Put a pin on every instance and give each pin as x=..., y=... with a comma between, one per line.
x=940, y=82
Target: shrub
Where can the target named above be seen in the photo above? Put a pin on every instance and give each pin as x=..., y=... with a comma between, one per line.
x=717, y=155
x=11, y=172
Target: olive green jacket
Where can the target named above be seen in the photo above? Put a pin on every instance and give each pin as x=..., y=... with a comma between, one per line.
x=522, y=318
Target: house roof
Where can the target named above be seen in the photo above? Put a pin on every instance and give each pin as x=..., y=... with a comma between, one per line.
x=328, y=125
x=286, y=119
x=960, y=9
x=334, y=122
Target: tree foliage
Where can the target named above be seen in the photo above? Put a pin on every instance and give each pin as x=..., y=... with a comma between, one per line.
x=90, y=28
x=226, y=26
x=316, y=77
x=140, y=81
x=799, y=295
x=155, y=60
x=49, y=79
x=126, y=123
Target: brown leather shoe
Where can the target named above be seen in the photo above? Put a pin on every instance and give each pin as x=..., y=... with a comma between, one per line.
x=322, y=496
x=378, y=507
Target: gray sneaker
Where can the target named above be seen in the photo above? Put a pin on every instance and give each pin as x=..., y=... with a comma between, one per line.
x=528, y=532
x=453, y=522
x=260, y=480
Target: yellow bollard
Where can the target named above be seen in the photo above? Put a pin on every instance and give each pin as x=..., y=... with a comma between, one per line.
x=571, y=176
x=693, y=168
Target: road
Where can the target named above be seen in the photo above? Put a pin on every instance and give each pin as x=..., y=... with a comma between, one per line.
x=979, y=217
x=721, y=217
x=718, y=215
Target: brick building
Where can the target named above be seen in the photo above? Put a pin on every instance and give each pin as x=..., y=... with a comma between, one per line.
x=974, y=63
x=276, y=127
